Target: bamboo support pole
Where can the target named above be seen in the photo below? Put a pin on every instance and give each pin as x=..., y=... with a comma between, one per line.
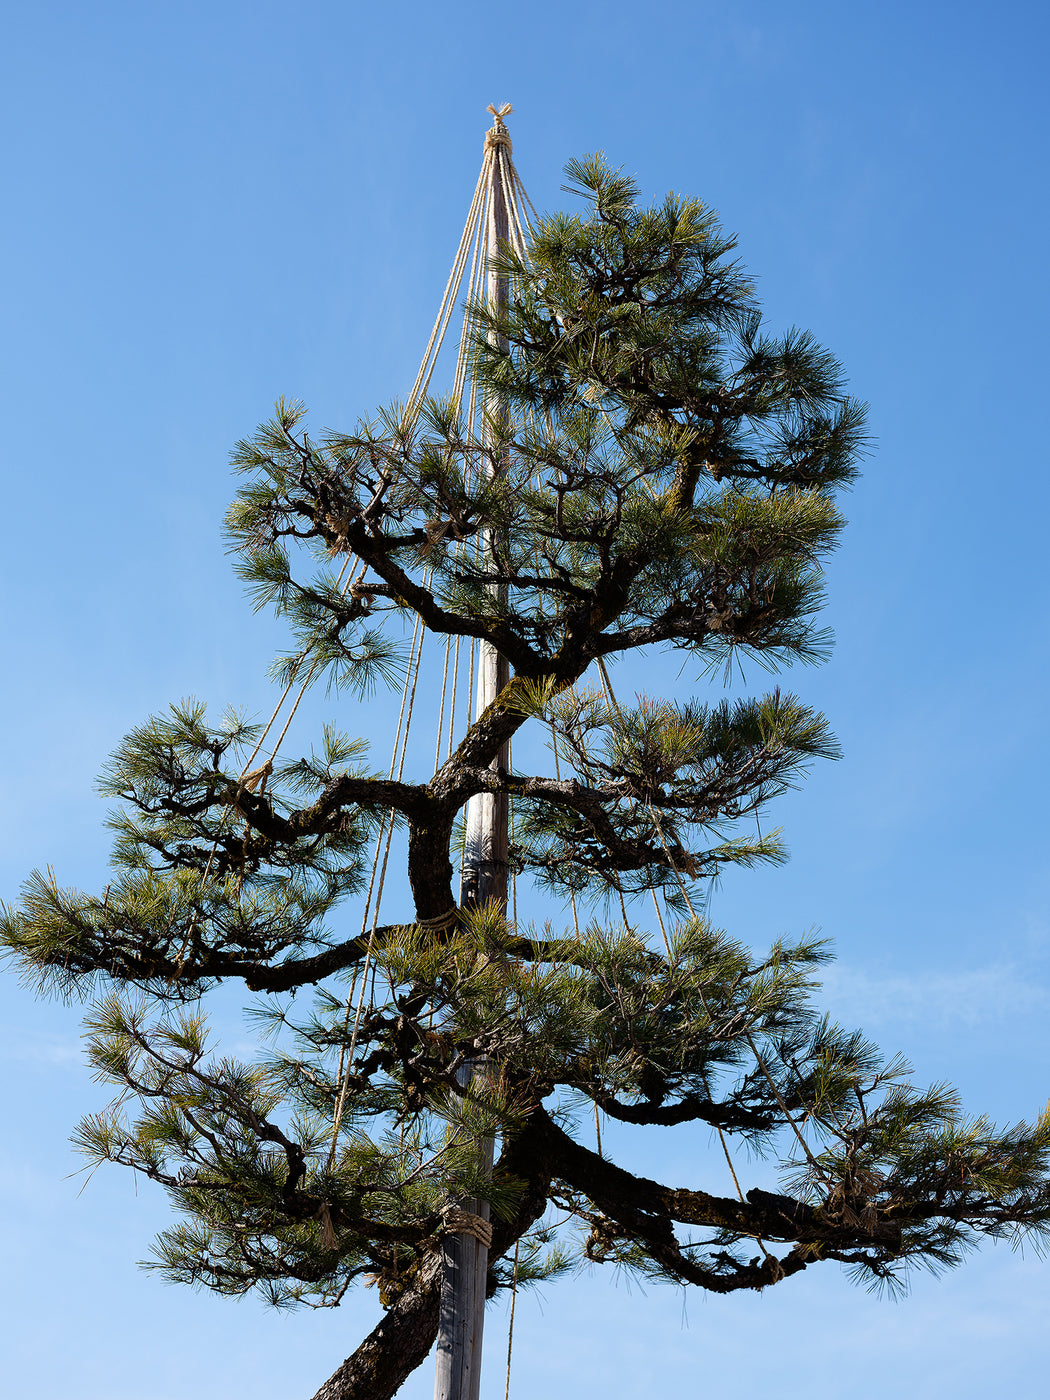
x=484, y=879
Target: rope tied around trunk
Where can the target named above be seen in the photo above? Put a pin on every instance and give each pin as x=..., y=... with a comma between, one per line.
x=438, y=923
x=464, y=1222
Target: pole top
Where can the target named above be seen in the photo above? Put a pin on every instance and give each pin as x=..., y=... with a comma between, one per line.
x=498, y=135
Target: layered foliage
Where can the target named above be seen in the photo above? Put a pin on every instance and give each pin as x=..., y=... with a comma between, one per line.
x=663, y=475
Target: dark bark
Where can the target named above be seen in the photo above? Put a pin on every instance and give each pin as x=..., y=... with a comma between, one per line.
x=647, y=1210
x=689, y=1109
x=397, y=1344
x=430, y=871
x=377, y=794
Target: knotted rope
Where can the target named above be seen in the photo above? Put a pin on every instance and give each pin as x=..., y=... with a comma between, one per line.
x=464, y=1222
x=498, y=135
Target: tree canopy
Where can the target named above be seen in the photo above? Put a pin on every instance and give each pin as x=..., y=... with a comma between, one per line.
x=664, y=474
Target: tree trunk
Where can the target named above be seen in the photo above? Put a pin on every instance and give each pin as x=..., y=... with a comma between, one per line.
x=394, y=1348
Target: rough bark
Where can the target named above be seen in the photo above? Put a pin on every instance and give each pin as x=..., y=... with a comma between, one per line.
x=397, y=1344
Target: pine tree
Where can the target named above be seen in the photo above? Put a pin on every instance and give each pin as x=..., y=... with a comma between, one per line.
x=665, y=477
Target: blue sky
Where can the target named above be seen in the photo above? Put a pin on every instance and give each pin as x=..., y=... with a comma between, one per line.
x=208, y=206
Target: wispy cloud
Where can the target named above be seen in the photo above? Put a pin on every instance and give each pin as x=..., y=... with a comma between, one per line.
x=38, y=1050
x=967, y=998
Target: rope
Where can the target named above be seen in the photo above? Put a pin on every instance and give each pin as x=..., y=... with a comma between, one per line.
x=441, y=712
x=452, y=707
x=464, y=1222
x=472, y=247
x=469, y=247
x=479, y=203
x=438, y=922
x=510, y=1327
x=426, y=368
x=759, y=1059
x=510, y=834
x=747, y=1034
x=401, y=738
x=246, y=775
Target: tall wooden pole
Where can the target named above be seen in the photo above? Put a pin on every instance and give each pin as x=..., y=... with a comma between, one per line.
x=484, y=879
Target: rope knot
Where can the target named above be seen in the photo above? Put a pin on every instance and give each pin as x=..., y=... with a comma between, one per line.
x=465, y=1222
x=329, y=1238
x=499, y=135
x=248, y=782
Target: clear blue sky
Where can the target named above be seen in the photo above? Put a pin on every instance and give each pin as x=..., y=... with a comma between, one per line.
x=211, y=205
